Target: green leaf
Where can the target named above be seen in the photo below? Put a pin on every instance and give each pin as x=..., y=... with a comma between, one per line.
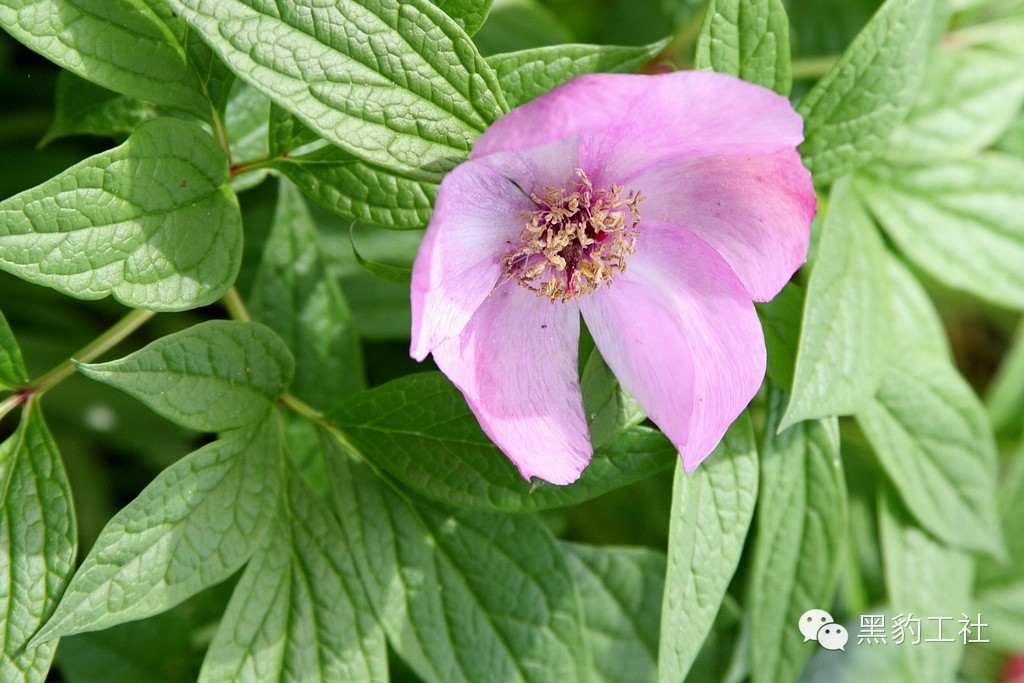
x=850, y=113
x=152, y=222
x=711, y=513
x=83, y=108
x=416, y=112
x=468, y=14
x=801, y=534
x=38, y=543
x=12, y=368
x=935, y=442
x=520, y=25
x=781, y=319
x=463, y=597
x=916, y=325
x=121, y=45
x=297, y=298
x=299, y=611
x=396, y=274
x=957, y=219
x=527, y=74
x=620, y=589
x=926, y=578
x=748, y=39
x=844, y=341
x=213, y=376
x=246, y=118
x=609, y=409
x=1005, y=395
x=419, y=430
x=194, y=526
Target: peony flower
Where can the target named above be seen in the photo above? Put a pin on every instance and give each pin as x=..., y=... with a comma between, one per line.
x=658, y=207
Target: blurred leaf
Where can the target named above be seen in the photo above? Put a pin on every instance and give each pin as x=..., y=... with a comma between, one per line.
x=957, y=219
x=420, y=431
x=38, y=543
x=246, y=119
x=801, y=531
x=844, y=341
x=120, y=45
x=395, y=274
x=825, y=27
x=294, y=295
x=195, y=525
x=781, y=319
x=468, y=14
x=83, y=108
x=935, y=443
x=12, y=367
x=515, y=25
x=711, y=513
x=748, y=39
x=299, y=612
x=617, y=22
x=463, y=597
x=213, y=376
x=152, y=222
x=416, y=113
x=861, y=664
x=620, y=589
x=916, y=325
x=527, y=74
x=1005, y=396
x=850, y=113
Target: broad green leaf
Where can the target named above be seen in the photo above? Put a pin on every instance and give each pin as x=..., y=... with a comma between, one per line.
x=121, y=45
x=416, y=112
x=711, y=513
x=83, y=108
x=213, y=376
x=397, y=274
x=748, y=39
x=850, y=113
x=152, y=222
x=468, y=14
x=285, y=133
x=844, y=340
x=781, y=319
x=38, y=542
x=801, y=531
x=609, y=409
x=620, y=589
x=916, y=325
x=1005, y=395
x=12, y=368
x=299, y=612
x=527, y=74
x=934, y=440
x=928, y=579
x=968, y=98
x=463, y=597
x=296, y=297
x=419, y=430
x=959, y=220
x=194, y=526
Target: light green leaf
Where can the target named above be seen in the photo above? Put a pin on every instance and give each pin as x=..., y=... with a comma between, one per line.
x=844, y=341
x=926, y=578
x=121, y=45
x=1001, y=585
x=711, y=513
x=195, y=525
x=299, y=612
x=1005, y=395
x=527, y=74
x=83, y=108
x=12, y=368
x=213, y=376
x=463, y=597
x=416, y=112
x=850, y=113
x=934, y=440
x=916, y=325
x=468, y=14
x=38, y=543
x=609, y=409
x=152, y=222
x=801, y=535
x=748, y=39
x=419, y=430
x=620, y=589
x=296, y=297
x=959, y=220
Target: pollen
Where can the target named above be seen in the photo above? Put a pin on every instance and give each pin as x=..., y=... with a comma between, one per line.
x=575, y=240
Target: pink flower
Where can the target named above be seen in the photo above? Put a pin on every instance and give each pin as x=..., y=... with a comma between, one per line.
x=659, y=207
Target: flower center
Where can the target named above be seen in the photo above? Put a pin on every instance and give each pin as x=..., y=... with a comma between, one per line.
x=574, y=240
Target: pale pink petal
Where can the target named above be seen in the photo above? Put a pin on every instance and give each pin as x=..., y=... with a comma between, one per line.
x=515, y=362
x=679, y=331
x=627, y=122
x=754, y=210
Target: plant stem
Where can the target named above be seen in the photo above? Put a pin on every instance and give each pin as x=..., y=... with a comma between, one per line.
x=11, y=402
x=304, y=409
x=236, y=307
x=809, y=68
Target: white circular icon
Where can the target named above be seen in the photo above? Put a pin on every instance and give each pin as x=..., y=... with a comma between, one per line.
x=811, y=621
x=833, y=637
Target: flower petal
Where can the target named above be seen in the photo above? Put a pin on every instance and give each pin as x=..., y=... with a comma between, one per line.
x=627, y=122
x=516, y=364
x=755, y=211
x=679, y=331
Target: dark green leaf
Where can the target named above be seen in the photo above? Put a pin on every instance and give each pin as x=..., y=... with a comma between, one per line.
x=520, y=25
x=468, y=14
x=396, y=274
x=748, y=39
x=12, y=367
x=83, y=108
x=781, y=319
x=246, y=118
